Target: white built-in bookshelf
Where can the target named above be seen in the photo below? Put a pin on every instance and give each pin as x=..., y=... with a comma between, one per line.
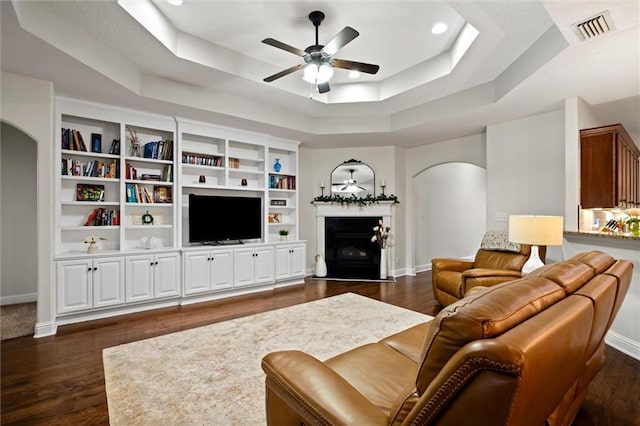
x=136, y=199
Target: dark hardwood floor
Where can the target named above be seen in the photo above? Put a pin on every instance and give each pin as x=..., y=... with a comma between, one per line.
x=59, y=380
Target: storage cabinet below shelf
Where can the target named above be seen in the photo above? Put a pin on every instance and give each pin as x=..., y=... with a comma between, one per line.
x=253, y=266
x=152, y=276
x=290, y=261
x=207, y=270
x=86, y=284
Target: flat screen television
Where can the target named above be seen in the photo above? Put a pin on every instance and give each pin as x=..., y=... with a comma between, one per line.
x=216, y=219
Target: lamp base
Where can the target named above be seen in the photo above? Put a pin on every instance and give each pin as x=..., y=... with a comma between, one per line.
x=534, y=261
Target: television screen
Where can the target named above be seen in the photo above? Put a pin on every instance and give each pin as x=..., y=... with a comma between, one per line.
x=220, y=218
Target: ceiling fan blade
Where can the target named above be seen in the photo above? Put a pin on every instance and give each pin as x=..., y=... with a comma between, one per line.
x=323, y=87
x=355, y=66
x=340, y=40
x=283, y=46
x=283, y=73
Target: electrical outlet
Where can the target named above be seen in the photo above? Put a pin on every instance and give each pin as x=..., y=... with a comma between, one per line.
x=501, y=217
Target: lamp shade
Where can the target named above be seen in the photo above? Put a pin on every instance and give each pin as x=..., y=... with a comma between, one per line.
x=536, y=230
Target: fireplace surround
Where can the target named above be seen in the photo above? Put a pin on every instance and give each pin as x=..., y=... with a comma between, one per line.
x=343, y=235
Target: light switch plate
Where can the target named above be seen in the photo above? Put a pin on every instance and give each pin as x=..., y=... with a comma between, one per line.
x=501, y=217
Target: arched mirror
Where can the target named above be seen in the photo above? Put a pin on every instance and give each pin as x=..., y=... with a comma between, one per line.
x=353, y=177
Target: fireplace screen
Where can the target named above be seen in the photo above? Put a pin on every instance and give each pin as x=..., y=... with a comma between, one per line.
x=349, y=252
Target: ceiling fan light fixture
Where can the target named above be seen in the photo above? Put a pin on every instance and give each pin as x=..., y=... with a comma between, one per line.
x=439, y=28
x=354, y=74
x=317, y=74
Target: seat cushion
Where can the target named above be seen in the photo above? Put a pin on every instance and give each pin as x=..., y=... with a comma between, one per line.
x=409, y=342
x=378, y=372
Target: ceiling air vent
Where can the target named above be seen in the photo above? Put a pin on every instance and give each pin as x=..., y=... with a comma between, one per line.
x=594, y=26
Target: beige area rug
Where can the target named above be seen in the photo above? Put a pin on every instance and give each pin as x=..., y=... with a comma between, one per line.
x=17, y=320
x=212, y=376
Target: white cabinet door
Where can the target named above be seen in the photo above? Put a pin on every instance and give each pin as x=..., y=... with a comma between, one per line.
x=297, y=260
x=166, y=270
x=108, y=282
x=139, y=281
x=221, y=269
x=243, y=267
x=197, y=267
x=264, y=265
x=283, y=253
x=73, y=285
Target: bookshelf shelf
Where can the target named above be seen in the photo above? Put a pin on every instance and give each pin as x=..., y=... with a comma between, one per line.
x=90, y=179
x=90, y=203
x=88, y=154
x=149, y=182
x=148, y=226
x=148, y=160
x=89, y=228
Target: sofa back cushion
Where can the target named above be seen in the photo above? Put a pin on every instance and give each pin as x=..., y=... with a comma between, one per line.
x=481, y=316
x=490, y=259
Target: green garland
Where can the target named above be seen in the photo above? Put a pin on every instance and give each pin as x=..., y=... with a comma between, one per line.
x=359, y=201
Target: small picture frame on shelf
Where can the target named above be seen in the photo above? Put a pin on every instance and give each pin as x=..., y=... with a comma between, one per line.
x=278, y=203
x=275, y=218
x=85, y=192
x=162, y=194
x=96, y=142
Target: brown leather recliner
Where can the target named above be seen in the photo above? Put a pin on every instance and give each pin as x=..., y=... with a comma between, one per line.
x=518, y=353
x=451, y=278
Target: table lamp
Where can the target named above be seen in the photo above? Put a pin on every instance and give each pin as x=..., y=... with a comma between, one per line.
x=537, y=231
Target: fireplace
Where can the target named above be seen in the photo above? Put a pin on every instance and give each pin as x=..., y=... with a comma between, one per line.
x=355, y=256
x=349, y=252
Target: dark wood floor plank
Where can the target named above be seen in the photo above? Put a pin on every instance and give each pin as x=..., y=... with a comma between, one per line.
x=60, y=379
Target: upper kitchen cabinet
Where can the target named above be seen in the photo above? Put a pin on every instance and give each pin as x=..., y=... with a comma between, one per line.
x=609, y=168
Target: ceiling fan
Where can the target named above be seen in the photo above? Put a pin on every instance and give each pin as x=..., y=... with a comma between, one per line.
x=350, y=184
x=318, y=59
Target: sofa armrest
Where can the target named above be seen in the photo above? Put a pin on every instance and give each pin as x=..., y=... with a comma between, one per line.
x=450, y=264
x=483, y=272
x=316, y=392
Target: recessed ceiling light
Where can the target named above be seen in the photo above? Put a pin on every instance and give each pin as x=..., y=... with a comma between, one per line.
x=175, y=2
x=354, y=74
x=439, y=28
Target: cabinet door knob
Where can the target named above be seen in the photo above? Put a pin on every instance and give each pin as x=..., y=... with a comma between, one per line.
x=156, y=262
x=95, y=268
x=90, y=269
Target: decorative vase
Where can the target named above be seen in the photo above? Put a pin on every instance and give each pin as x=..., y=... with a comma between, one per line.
x=92, y=249
x=383, y=264
x=321, y=266
x=284, y=237
x=277, y=166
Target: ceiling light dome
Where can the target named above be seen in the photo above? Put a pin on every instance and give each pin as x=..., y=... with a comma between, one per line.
x=439, y=28
x=317, y=74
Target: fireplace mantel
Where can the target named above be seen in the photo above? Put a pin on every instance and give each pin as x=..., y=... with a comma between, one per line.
x=323, y=209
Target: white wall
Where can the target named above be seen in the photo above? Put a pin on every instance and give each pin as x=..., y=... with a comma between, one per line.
x=469, y=149
x=28, y=104
x=18, y=277
x=525, y=170
x=449, y=212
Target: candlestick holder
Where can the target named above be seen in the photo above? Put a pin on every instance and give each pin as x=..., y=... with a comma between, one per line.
x=383, y=187
x=322, y=190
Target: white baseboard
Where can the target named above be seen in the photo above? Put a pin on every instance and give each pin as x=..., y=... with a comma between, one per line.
x=19, y=298
x=623, y=344
x=44, y=329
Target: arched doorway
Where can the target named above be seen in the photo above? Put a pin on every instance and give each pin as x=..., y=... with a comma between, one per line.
x=449, y=215
x=18, y=230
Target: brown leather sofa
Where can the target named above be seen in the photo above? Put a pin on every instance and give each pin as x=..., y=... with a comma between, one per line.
x=451, y=278
x=518, y=353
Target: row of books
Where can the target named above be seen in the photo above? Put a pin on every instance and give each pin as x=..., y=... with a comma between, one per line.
x=103, y=217
x=141, y=194
x=71, y=167
x=166, y=175
x=282, y=182
x=202, y=160
x=72, y=139
x=160, y=150
x=234, y=163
